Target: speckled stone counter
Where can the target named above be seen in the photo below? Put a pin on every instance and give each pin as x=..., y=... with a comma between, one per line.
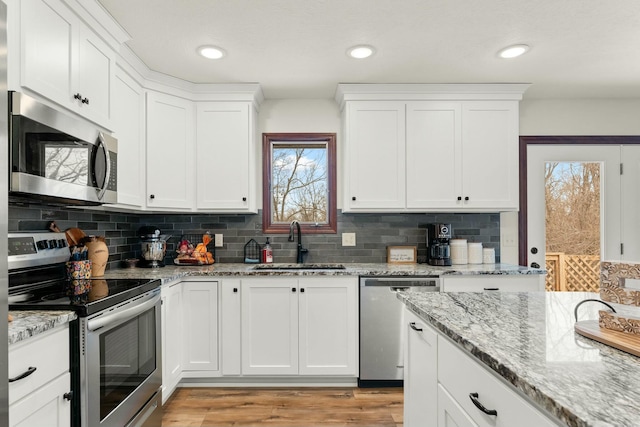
x=170, y=272
x=528, y=339
x=27, y=324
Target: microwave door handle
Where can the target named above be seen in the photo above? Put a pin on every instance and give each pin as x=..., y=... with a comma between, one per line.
x=102, y=145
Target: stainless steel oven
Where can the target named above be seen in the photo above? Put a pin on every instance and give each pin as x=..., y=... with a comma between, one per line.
x=58, y=158
x=115, y=357
x=120, y=364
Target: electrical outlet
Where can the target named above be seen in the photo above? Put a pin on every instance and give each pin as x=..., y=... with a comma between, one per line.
x=509, y=240
x=348, y=239
x=219, y=242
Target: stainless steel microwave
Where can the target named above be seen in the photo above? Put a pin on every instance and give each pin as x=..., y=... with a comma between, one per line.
x=57, y=158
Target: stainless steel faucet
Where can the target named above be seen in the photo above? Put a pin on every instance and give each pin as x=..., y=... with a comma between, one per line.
x=301, y=251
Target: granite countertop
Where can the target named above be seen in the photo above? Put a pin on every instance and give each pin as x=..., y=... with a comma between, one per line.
x=170, y=273
x=528, y=339
x=27, y=324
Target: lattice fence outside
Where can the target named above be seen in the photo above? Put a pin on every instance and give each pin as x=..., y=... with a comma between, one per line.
x=572, y=272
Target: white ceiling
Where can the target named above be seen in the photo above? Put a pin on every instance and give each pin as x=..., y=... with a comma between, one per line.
x=297, y=48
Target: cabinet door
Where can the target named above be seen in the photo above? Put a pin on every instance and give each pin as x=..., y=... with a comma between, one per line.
x=270, y=326
x=200, y=328
x=128, y=121
x=420, y=372
x=450, y=414
x=224, y=153
x=44, y=407
x=94, y=76
x=328, y=318
x=230, y=329
x=47, y=36
x=172, y=337
x=375, y=156
x=170, y=152
x=490, y=155
x=434, y=144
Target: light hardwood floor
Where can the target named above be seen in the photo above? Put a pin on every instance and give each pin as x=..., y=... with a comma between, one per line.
x=304, y=407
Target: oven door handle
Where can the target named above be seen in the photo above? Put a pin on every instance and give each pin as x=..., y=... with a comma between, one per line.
x=124, y=314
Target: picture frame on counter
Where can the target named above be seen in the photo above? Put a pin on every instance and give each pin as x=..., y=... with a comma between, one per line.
x=401, y=254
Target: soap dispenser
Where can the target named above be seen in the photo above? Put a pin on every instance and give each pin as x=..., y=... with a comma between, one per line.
x=267, y=253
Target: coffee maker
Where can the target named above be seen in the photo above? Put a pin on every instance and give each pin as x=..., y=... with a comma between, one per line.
x=438, y=248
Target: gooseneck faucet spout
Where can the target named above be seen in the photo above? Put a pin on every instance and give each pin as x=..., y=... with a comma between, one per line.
x=301, y=251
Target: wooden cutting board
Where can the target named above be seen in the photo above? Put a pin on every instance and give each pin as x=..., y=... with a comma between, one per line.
x=625, y=342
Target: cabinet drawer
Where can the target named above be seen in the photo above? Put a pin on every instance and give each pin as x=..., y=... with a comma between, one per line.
x=509, y=283
x=460, y=375
x=48, y=353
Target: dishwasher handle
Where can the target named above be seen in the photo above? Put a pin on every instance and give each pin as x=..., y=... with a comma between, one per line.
x=399, y=284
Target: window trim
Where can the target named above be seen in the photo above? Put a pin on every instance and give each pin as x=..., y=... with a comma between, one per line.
x=332, y=210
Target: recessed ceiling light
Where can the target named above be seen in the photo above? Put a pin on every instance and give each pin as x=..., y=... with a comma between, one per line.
x=513, y=51
x=211, y=52
x=360, y=51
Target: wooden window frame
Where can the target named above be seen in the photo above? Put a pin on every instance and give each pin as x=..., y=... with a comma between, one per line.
x=330, y=227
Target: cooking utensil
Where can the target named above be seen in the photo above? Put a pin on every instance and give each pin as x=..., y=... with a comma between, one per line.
x=74, y=236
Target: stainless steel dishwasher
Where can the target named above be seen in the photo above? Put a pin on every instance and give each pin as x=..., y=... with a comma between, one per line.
x=382, y=326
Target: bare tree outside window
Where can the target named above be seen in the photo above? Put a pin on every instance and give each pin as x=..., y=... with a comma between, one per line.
x=299, y=174
x=68, y=164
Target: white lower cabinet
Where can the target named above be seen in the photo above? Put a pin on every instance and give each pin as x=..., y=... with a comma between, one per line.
x=420, y=372
x=172, y=309
x=299, y=326
x=442, y=382
x=200, y=328
x=493, y=282
x=450, y=414
x=40, y=398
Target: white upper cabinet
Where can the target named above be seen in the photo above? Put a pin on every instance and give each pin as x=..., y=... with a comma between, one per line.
x=170, y=152
x=63, y=60
x=225, y=156
x=421, y=148
x=375, y=155
x=128, y=123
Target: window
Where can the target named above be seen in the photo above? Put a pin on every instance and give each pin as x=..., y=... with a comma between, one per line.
x=299, y=182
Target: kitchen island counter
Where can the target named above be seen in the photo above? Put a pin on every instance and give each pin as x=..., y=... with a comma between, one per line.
x=529, y=341
x=171, y=272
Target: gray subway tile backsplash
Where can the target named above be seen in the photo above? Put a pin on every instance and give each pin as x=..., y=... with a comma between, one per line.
x=374, y=232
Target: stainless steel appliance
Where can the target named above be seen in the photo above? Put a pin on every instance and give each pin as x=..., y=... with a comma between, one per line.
x=116, y=370
x=153, y=247
x=57, y=158
x=4, y=208
x=438, y=247
x=381, y=327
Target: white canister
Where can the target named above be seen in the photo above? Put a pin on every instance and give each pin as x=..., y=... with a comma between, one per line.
x=475, y=253
x=488, y=256
x=458, y=251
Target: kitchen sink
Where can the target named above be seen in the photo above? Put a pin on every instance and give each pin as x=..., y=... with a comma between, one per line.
x=317, y=266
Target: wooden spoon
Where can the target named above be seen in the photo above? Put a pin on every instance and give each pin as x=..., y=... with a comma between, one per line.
x=74, y=236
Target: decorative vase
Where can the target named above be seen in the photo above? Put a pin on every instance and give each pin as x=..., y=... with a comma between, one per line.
x=98, y=254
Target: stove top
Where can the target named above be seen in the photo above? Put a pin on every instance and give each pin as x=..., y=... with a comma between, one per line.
x=85, y=297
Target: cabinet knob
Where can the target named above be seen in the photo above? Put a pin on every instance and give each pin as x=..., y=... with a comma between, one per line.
x=302, y=290
x=244, y=199
x=466, y=198
x=293, y=289
x=459, y=198
x=77, y=96
x=535, y=265
x=85, y=101
x=68, y=396
x=235, y=290
x=534, y=250
x=353, y=198
x=152, y=196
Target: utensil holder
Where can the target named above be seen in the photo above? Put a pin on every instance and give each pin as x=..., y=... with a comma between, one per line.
x=79, y=270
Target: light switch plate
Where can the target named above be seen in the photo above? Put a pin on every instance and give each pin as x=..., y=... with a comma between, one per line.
x=219, y=242
x=348, y=239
